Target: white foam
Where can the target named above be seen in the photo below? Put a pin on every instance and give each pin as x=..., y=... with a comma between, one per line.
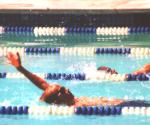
x=5, y=103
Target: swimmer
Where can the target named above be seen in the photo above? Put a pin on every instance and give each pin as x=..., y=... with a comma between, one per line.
x=143, y=70
x=107, y=70
x=57, y=94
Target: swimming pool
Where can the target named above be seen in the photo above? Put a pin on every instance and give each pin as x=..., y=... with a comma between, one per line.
x=22, y=92
x=75, y=42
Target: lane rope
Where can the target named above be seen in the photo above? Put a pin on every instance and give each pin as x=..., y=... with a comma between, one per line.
x=61, y=31
x=76, y=51
x=66, y=110
x=82, y=76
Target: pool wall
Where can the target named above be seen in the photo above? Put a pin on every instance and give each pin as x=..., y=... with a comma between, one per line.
x=74, y=18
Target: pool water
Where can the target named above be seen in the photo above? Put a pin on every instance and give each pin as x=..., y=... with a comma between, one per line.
x=23, y=92
x=69, y=40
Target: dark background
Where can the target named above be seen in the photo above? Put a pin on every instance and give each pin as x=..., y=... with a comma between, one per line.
x=75, y=18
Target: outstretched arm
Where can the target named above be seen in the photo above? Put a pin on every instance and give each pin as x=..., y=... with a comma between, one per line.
x=143, y=70
x=15, y=60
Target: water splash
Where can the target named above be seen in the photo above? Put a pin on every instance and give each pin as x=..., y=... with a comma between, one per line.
x=5, y=103
x=83, y=67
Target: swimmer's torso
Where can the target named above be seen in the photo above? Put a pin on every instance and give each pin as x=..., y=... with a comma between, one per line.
x=86, y=101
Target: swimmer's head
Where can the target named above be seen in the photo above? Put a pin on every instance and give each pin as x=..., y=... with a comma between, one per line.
x=113, y=71
x=63, y=96
x=107, y=70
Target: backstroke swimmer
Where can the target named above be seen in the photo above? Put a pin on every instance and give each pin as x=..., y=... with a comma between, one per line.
x=57, y=94
x=143, y=70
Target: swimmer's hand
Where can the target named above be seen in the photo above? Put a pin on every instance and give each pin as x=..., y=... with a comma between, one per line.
x=14, y=59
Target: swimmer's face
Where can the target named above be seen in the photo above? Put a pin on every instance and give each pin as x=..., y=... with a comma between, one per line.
x=64, y=96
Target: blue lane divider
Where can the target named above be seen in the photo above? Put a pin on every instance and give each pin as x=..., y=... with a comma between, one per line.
x=136, y=30
x=112, y=50
x=57, y=76
x=98, y=110
x=3, y=75
x=96, y=51
x=141, y=77
x=8, y=29
x=14, y=110
x=83, y=110
x=80, y=30
x=77, y=50
x=65, y=76
x=131, y=30
x=81, y=76
x=42, y=50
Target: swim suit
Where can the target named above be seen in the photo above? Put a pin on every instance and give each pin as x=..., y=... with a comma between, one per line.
x=137, y=103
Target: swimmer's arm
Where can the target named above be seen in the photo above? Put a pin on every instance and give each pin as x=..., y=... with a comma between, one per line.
x=139, y=71
x=15, y=60
x=36, y=80
x=144, y=70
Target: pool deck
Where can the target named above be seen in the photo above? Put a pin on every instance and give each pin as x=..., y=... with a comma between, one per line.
x=74, y=4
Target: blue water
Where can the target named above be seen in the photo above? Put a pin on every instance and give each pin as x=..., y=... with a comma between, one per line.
x=23, y=92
